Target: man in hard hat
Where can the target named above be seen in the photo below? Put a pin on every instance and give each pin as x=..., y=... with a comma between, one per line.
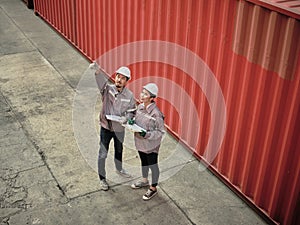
x=149, y=117
x=118, y=101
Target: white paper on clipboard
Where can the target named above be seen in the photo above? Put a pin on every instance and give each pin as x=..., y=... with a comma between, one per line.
x=114, y=118
x=134, y=128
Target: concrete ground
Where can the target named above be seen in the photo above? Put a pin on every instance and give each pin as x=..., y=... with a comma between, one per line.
x=45, y=175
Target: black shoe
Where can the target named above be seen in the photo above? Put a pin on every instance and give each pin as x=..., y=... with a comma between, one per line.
x=149, y=194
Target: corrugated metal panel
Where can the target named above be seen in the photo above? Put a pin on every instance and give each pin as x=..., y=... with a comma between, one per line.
x=290, y=8
x=60, y=14
x=255, y=39
x=253, y=54
x=270, y=116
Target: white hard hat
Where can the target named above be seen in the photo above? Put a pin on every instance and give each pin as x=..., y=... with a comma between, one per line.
x=124, y=71
x=152, y=88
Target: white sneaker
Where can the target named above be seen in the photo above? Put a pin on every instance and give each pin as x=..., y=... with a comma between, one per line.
x=124, y=173
x=140, y=184
x=104, y=185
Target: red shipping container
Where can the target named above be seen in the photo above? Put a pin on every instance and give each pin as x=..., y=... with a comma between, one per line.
x=236, y=61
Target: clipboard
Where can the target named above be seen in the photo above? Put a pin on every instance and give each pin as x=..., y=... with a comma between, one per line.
x=114, y=118
x=134, y=128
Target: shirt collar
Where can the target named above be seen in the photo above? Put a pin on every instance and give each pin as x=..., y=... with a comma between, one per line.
x=121, y=92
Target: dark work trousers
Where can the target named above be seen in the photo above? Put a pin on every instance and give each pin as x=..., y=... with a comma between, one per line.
x=150, y=161
x=105, y=138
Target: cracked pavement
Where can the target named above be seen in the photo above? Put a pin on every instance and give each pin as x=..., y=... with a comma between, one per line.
x=43, y=177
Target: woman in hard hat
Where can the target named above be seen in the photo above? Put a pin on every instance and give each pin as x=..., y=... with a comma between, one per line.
x=149, y=117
